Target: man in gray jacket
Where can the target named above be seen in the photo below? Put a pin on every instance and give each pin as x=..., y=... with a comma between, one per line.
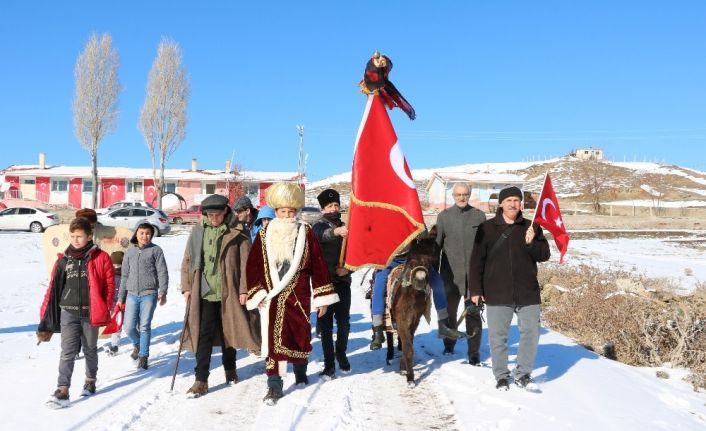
x=456, y=230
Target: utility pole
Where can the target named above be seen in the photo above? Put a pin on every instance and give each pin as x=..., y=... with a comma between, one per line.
x=300, y=168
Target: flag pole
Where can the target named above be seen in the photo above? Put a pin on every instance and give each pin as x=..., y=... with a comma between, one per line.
x=540, y=196
x=342, y=256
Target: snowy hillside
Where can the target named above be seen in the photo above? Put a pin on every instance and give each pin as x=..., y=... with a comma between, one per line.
x=634, y=181
x=580, y=390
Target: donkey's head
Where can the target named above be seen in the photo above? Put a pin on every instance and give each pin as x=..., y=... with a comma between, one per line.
x=423, y=255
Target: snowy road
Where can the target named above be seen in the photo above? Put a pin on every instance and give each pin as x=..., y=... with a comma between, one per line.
x=580, y=390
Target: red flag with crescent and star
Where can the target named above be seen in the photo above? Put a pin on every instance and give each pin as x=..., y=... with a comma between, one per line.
x=385, y=214
x=548, y=215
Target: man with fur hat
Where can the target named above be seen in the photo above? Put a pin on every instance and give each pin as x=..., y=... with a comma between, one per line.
x=213, y=285
x=285, y=264
x=503, y=274
x=331, y=231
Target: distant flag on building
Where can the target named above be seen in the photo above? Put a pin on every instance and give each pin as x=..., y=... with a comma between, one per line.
x=548, y=215
x=385, y=214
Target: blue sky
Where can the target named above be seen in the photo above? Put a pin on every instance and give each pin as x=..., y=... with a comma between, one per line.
x=490, y=81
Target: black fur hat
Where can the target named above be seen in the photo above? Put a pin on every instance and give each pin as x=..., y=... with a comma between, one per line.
x=328, y=196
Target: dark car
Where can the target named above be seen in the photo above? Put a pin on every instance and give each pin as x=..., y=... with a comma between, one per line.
x=189, y=215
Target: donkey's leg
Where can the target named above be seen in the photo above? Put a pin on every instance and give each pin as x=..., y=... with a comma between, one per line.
x=408, y=351
x=390, y=347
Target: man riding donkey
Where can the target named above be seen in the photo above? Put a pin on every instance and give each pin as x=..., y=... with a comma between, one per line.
x=378, y=301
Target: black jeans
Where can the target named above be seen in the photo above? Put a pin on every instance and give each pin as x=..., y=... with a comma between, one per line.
x=341, y=311
x=211, y=321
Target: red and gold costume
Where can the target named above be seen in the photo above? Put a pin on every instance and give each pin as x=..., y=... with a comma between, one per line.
x=285, y=297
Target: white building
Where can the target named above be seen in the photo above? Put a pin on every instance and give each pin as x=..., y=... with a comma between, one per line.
x=484, y=188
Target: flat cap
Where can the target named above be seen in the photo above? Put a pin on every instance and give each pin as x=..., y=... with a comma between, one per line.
x=214, y=204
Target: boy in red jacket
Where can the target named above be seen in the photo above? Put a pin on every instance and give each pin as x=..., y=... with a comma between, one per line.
x=77, y=302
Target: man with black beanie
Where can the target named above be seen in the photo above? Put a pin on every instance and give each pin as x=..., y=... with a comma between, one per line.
x=503, y=274
x=331, y=231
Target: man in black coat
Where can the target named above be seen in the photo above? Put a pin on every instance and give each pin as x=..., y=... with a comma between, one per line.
x=503, y=273
x=330, y=231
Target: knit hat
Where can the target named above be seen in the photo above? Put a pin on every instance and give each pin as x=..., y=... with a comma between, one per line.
x=328, y=196
x=284, y=195
x=89, y=214
x=242, y=203
x=214, y=204
x=509, y=191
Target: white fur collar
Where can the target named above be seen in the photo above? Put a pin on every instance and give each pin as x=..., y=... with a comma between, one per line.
x=279, y=284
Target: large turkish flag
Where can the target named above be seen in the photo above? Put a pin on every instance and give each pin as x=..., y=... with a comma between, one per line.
x=385, y=214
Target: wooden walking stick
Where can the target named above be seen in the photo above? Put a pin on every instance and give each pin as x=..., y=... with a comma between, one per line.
x=181, y=341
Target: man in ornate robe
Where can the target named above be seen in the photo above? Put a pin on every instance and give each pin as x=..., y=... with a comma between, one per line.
x=287, y=275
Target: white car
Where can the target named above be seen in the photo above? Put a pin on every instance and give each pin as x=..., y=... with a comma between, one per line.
x=31, y=219
x=124, y=204
x=130, y=217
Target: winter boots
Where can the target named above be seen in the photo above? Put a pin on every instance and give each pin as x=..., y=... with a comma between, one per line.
x=474, y=360
x=135, y=352
x=378, y=338
x=300, y=378
x=198, y=389
x=446, y=332
x=273, y=394
x=60, y=398
x=329, y=372
x=89, y=387
x=274, y=390
x=503, y=385
x=142, y=362
x=112, y=351
x=527, y=383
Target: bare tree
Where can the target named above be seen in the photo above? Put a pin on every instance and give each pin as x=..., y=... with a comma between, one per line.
x=163, y=115
x=95, y=103
x=593, y=180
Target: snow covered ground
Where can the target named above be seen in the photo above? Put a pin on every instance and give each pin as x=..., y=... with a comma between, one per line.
x=580, y=390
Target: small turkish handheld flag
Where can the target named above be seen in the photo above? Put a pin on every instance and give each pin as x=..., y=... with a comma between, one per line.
x=385, y=214
x=548, y=215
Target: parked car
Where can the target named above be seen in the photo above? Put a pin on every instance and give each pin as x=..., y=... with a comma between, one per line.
x=32, y=219
x=130, y=217
x=189, y=215
x=124, y=204
x=310, y=214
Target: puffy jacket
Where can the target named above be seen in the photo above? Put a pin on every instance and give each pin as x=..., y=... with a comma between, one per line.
x=101, y=288
x=509, y=276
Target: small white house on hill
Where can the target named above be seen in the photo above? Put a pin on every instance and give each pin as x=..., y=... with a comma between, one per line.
x=484, y=188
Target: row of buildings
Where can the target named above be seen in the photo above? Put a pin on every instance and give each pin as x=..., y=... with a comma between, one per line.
x=71, y=186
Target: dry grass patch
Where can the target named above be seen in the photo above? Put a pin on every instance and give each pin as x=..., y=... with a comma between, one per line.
x=637, y=320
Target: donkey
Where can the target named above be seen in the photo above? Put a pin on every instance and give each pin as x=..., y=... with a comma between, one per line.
x=409, y=284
